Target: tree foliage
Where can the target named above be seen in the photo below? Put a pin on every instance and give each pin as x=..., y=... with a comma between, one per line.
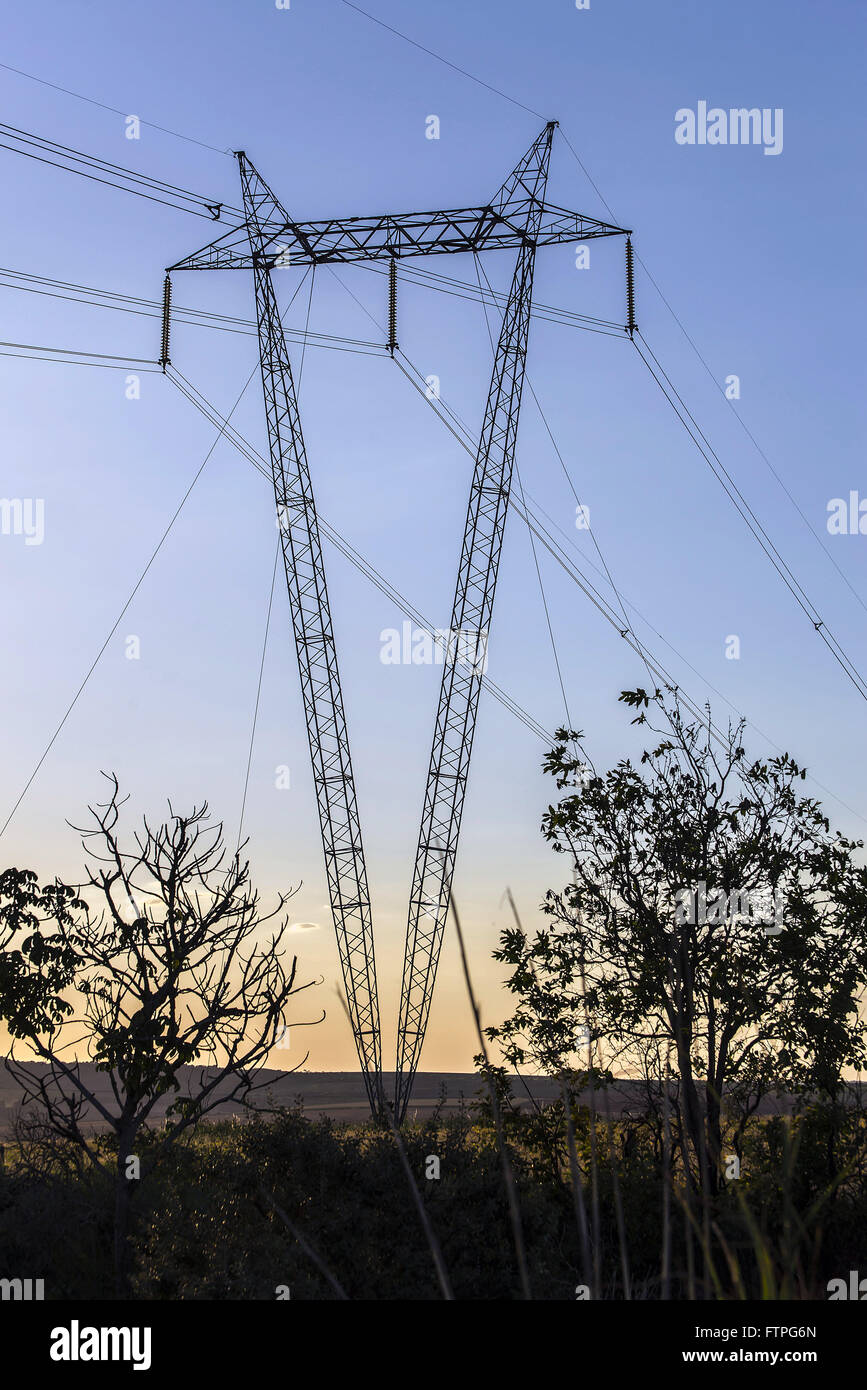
x=662, y=946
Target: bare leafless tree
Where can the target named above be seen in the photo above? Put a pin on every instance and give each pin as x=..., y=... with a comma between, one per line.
x=171, y=991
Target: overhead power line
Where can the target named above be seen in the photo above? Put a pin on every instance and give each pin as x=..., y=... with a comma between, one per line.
x=355, y=558
x=73, y=702
x=160, y=191
x=99, y=170
x=724, y=478
x=440, y=59
x=76, y=357
x=152, y=308
x=517, y=212
x=529, y=513
x=485, y=295
x=462, y=433
x=746, y=512
x=473, y=77
x=208, y=205
x=91, y=101
x=201, y=318
x=160, y=543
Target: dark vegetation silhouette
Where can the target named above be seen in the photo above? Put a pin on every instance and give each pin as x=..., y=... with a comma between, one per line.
x=157, y=968
x=711, y=941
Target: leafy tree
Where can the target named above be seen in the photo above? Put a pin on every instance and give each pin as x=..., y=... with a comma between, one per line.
x=36, y=963
x=663, y=942
x=165, y=989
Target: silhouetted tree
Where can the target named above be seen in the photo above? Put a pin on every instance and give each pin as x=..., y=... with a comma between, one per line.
x=160, y=983
x=665, y=936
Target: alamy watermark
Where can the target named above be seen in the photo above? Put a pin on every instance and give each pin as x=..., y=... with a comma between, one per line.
x=736, y=126
x=77, y=1343
x=847, y=516
x=411, y=646
x=22, y=1290
x=23, y=516
x=694, y=906
x=855, y=1288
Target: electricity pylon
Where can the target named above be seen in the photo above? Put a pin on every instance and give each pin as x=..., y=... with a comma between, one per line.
x=517, y=217
x=468, y=635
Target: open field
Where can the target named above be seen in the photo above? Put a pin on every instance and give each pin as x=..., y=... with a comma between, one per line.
x=341, y=1096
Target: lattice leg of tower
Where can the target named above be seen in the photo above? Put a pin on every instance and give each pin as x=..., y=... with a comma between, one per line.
x=461, y=681
x=317, y=663
x=471, y=618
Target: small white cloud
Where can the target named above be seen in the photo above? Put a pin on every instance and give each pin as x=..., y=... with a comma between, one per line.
x=304, y=926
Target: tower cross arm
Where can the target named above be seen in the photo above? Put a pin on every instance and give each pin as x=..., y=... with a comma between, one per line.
x=394, y=236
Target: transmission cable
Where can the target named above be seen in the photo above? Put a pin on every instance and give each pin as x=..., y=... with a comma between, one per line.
x=203, y=318
x=355, y=558
x=463, y=72
x=78, y=352
x=258, y=694
x=462, y=289
x=456, y=428
x=127, y=174
x=270, y=600
x=553, y=641
x=746, y=512
x=43, y=82
x=71, y=706
x=696, y=350
x=154, y=308
x=132, y=595
x=438, y=57
x=656, y=668
x=462, y=434
x=103, y=171
x=209, y=206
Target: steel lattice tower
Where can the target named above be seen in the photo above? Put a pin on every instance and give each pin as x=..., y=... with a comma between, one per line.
x=317, y=655
x=517, y=217
x=473, y=605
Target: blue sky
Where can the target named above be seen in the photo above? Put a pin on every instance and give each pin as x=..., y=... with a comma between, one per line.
x=758, y=256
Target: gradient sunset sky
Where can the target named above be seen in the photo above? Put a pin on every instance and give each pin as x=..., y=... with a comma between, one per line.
x=760, y=257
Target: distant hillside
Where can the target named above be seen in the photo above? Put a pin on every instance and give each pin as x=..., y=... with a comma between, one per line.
x=341, y=1094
